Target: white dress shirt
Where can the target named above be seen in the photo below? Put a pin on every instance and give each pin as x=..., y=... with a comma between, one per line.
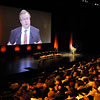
x=22, y=35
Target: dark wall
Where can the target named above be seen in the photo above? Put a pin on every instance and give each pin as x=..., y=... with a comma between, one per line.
x=84, y=24
x=90, y=29
x=66, y=21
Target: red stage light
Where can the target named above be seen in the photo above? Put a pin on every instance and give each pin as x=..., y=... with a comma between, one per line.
x=56, y=42
x=3, y=48
x=38, y=47
x=28, y=48
x=71, y=41
x=17, y=48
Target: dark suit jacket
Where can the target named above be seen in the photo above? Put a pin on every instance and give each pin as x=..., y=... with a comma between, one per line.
x=15, y=36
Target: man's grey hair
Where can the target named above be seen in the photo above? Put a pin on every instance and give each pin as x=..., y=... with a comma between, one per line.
x=23, y=12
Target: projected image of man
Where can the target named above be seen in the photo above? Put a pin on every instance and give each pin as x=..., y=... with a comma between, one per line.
x=26, y=34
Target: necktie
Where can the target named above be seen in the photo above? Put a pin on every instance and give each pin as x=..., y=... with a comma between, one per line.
x=25, y=37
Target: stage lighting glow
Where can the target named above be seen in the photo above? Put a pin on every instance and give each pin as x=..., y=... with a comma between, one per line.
x=28, y=48
x=38, y=47
x=56, y=42
x=17, y=48
x=3, y=49
x=72, y=49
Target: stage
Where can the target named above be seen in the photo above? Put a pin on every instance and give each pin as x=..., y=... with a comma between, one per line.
x=22, y=67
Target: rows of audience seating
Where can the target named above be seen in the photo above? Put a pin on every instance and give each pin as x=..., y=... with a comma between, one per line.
x=79, y=82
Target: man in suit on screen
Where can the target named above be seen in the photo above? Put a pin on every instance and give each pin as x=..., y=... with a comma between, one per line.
x=26, y=34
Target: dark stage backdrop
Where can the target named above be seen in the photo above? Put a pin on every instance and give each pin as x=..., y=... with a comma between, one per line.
x=83, y=23
x=90, y=29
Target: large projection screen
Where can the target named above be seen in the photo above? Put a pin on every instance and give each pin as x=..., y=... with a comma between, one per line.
x=9, y=19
